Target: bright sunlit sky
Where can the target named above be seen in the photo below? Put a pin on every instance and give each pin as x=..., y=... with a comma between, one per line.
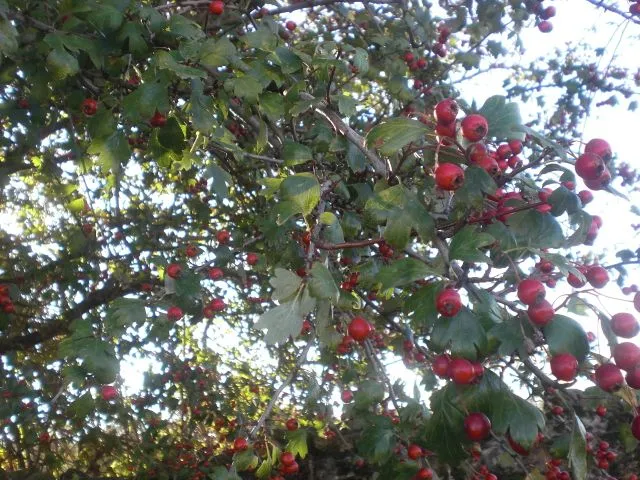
x=576, y=20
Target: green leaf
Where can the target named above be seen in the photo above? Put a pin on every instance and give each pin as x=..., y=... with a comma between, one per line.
x=578, y=450
x=518, y=417
x=112, y=152
x=285, y=320
x=565, y=335
x=421, y=305
x=272, y=105
x=98, y=357
x=167, y=61
x=295, y=153
x=536, y=230
x=285, y=284
x=216, y=53
x=201, y=108
x=361, y=60
x=287, y=60
x=463, y=334
x=297, y=442
x=355, y=158
x=220, y=178
x=347, y=107
x=302, y=191
x=245, y=460
x=477, y=182
x=132, y=33
x=82, y=406
x=332, y=230
x=377, y=440
x=563, y=200
x=403, y=272
x=105, y=17
x=503, y=118
x=246, y=87
x=262, y=38
x=322, y=284
x=8, y=37
x=544, y=141
x=392, y=135
x=509, y=335
x=172, y=135
x=465, y=245
x=145, y=100
x=123, y=313
x=444, y=432
x=62, y=64
x=180, y=26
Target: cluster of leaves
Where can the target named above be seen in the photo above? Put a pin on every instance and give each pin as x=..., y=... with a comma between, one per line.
x=139, y=136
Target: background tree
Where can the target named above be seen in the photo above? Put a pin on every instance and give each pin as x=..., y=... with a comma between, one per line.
x=270, y=214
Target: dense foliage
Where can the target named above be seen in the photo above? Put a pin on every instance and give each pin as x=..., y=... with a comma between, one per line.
x=267, y=216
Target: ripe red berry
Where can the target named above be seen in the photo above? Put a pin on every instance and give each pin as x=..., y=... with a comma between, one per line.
x=625, y=325
x=601, y=410
x=635, y=427
x=545, y=26
x=414, y=451
x=589, y=166
x=446, y=130
x=531, y=291
x=409, y=57
x=477, y=426
x=601, y=182
x=158, y=120
x=449, y=176
x=191, y=251
x=626, y=355
x=504, y=151
x=174, y=313
x=216, y=7
x=440, y=365
x=174, y=270
x=108, y=392
x=240, y=444
x=223, y=237
x=516, y=146
x=292, y=424
x=89, y=107
x=489, y=165
x=609, y=377
x=252, y=259
x=346, y=396
x=476, y=152
x=359, y=329
x=215, y=273
x=516, y=447
x=599, y=147
x=585, y=196
x=557, y=410
x=291, y=25
x=446, y=111
x=217, y=305
x=575, y=281
x=474, y=127
x=564, y=366
x=633, y=377
x=424, y=474
x=448, y=302
x=287, y=458
x=541, y=313
x=461, y=371
x=597, y=276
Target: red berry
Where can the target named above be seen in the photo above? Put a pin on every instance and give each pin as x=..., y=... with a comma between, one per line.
x=216, y=7
x=477, y=426
x=287, y=458
x=609, y=377
x=548, y=12
x=89, y=106
x=476, y=152
x=564, y=366
x=625, y=325
x=191, y=251
x=217, y=305
x=446, y=130
x=158, y=120
x=489, y=165
x=408, y=57
x=448, y=302
x=446, y=111
x=589, y=166
x=504, y=151
x=599, y=147
x=461, y=371
x=531, y=291
x=359, y=329
x=215, y=273
x=474, y=127
x=292, y=424
x=174, y=270
x=252, y=258
x=585, y=196
x=633, y=377
x=601, y=182
x=597, y=276
x=516, y=447
x=557, y=410
x=240, y=444
x=223, y=237
x=347, y=396
x=440, y=365
x=601, y=410
x=575, y=281
x=449, y=176
x=424, y=474
x=541, y=313
x=626, y=355
x=545, y=26
x=108, y=392
x=291, y=25
x=516, y=146
x=414, y=451
x=174, y=313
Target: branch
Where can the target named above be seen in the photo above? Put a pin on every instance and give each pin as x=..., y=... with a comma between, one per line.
x=355, y=244
x=60, y=326
x=614, y=9
x=322, y=109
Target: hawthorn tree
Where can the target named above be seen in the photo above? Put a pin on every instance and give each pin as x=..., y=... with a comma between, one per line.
x=266, y=216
